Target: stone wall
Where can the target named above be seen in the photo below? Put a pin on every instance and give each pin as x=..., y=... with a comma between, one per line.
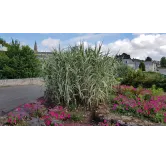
x=19, y=82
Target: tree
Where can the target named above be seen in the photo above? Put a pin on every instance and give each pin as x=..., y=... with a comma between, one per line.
x=19, y=62
x=163, y=62
x=148, y=59
x=3, y=42
x=4, y=60
x=123, y=56
x=142, y=66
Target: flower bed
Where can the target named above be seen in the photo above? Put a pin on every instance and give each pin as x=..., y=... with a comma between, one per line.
x=37, y=114
x=140, y=102
x=130, y=106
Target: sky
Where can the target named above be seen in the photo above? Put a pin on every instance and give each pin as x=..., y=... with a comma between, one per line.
x=138, y=45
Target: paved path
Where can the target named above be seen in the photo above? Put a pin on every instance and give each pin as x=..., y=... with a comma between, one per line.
x=11, y=97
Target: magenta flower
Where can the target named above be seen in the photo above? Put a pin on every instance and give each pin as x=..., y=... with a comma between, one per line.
x=56, y=115
x=27, y=105
x=9, y=120
x=61, y=117
x=52, y=113
x=48, y=122
x=117, y=124
x=18, y=109
x=14, y=121
x=46, y=117
x=106, y=124
x=105, y=121
x=68, y=116
x=60, y=108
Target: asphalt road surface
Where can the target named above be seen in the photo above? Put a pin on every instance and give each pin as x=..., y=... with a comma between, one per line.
x=11, y=97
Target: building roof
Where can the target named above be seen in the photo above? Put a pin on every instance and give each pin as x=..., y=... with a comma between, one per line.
x=136, y=60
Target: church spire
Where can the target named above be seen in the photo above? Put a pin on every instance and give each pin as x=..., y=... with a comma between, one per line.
x=35, y=47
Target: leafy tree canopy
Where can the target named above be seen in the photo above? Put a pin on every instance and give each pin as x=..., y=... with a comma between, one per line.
x=148, y=59
x=142, y=66
x=163, y=62
x=18, y=62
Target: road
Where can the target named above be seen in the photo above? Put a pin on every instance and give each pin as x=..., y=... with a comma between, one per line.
x=11, y=97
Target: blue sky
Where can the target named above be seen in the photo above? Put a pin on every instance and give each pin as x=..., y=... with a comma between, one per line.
x=66, y=38
x=138, y=45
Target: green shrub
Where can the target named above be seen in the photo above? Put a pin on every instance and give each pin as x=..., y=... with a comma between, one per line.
x=8, y=72
x=79, y=76
x=145, y=79
x=157, y=91
x=123, y=70
x=142, y=66
x=19, y=62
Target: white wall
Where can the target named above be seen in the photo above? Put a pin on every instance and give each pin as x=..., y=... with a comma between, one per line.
x=19, y=82
x=149, y=67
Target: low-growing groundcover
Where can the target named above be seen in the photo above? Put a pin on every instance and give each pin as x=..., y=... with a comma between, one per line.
x=37, y=114
x=143, y=103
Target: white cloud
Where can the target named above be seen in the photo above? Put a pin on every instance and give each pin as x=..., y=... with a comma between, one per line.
x=53, y=43
x=88, y=37
x=50, y=43
x=153, y=45
x=141, y=46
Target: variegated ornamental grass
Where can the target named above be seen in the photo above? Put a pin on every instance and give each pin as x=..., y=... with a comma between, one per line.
x=79, y=76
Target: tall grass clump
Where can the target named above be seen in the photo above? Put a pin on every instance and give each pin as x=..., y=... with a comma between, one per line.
x=79, y=76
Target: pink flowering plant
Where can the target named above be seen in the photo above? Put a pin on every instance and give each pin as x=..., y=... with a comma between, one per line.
x=56, y=116
x=17, y=118
x=104, y=123
x=35, y=109
x=51, y=117
x=140, y=102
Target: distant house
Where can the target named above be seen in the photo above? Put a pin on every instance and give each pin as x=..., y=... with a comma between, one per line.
x=43, y=54
x=150, y=66
x=134, y=63
x=129, y=62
